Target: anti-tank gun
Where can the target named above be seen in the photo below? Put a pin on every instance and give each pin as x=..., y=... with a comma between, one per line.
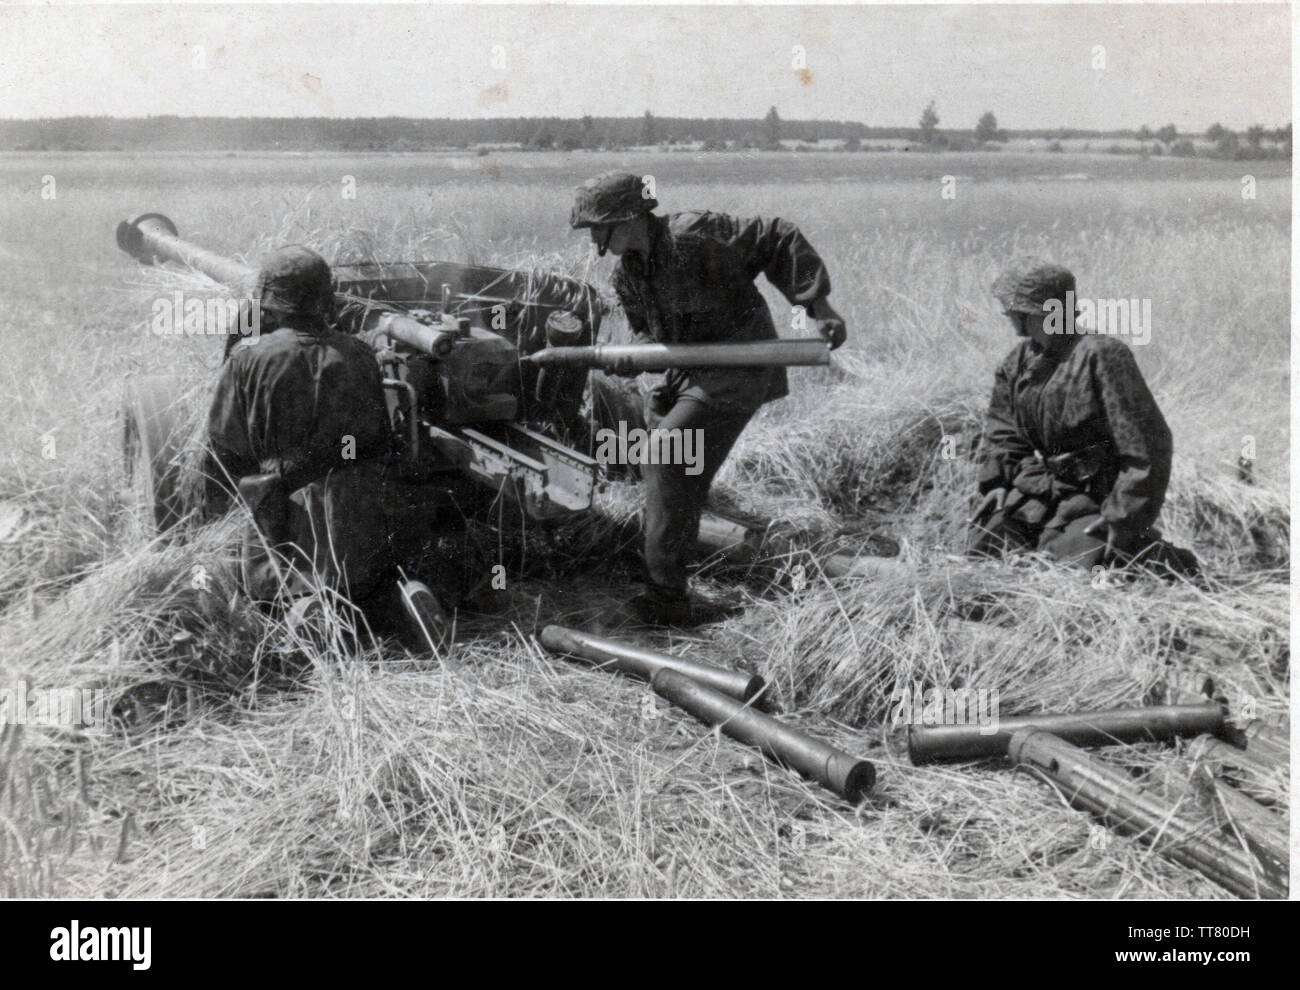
x=450, y=339
x=485, y=371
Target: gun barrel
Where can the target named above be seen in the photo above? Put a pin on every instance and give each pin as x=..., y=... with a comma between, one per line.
x=638, y=662
x=851, y=778
x=661, y=357
x=1111, y=795
x=930, y=743
x=152, y=238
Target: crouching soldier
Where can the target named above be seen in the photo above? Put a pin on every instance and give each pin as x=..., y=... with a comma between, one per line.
x=689, y=278
x=299, y=427
x=1076, y=454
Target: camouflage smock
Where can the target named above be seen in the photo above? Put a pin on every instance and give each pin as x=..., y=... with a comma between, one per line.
x=286, y=402
x=1086, y=396
x=696, y=285
x=299, y=421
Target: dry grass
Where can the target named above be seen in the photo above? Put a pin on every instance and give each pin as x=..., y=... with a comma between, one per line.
x=501, y=771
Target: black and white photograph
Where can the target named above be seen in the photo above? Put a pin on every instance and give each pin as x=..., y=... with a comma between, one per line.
x=639, y=452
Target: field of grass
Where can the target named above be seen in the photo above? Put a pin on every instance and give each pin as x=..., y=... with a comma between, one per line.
x=502, y=771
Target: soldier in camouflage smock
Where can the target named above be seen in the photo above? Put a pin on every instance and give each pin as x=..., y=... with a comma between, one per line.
x=689, y=278
x=299, y=428
x=1076, y=454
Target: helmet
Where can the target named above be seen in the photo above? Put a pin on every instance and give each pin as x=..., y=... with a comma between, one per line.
x=1029, y=283
x=295, y=281
x=611, y=197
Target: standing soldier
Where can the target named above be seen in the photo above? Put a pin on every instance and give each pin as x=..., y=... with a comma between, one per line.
x=300, y=426
x=1076, y=453
x=689, y=278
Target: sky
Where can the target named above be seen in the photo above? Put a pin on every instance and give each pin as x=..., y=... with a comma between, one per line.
x=1034, y=66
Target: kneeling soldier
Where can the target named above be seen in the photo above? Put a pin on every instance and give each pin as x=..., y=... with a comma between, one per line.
x=689, y=278
x=1076, y=454
x=300, y=426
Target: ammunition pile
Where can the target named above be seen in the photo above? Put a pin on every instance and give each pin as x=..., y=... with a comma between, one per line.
x=1245, y=853
x=726, y=699
x=1244, y=848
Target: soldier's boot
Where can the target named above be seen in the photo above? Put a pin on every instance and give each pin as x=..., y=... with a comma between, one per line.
x=423, y=622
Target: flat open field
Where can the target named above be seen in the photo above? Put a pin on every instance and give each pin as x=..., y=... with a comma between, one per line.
x=505, y=772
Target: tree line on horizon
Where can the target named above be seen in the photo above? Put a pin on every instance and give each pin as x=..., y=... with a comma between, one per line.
x=175, y=133
x=1255, y=142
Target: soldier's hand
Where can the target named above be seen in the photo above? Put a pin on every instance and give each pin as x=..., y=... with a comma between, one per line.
x=828, y=322
x=993, y=502
x=832, y=331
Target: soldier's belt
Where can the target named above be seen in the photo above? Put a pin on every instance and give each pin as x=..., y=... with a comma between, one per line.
x=1076, y=466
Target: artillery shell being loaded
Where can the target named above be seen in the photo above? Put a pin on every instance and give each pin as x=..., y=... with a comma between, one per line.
x=627, y=659
x=1111, y=795
x=848, y=777
x=929, y=743
x=661, y=357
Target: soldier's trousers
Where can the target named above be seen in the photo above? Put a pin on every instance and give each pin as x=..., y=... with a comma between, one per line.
x=331, y=533
x=1004, y=533
x=674, y=499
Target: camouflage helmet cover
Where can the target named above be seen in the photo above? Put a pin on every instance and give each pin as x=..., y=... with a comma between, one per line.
x=295, y=281
x=611, y=197
x=1027, y=284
